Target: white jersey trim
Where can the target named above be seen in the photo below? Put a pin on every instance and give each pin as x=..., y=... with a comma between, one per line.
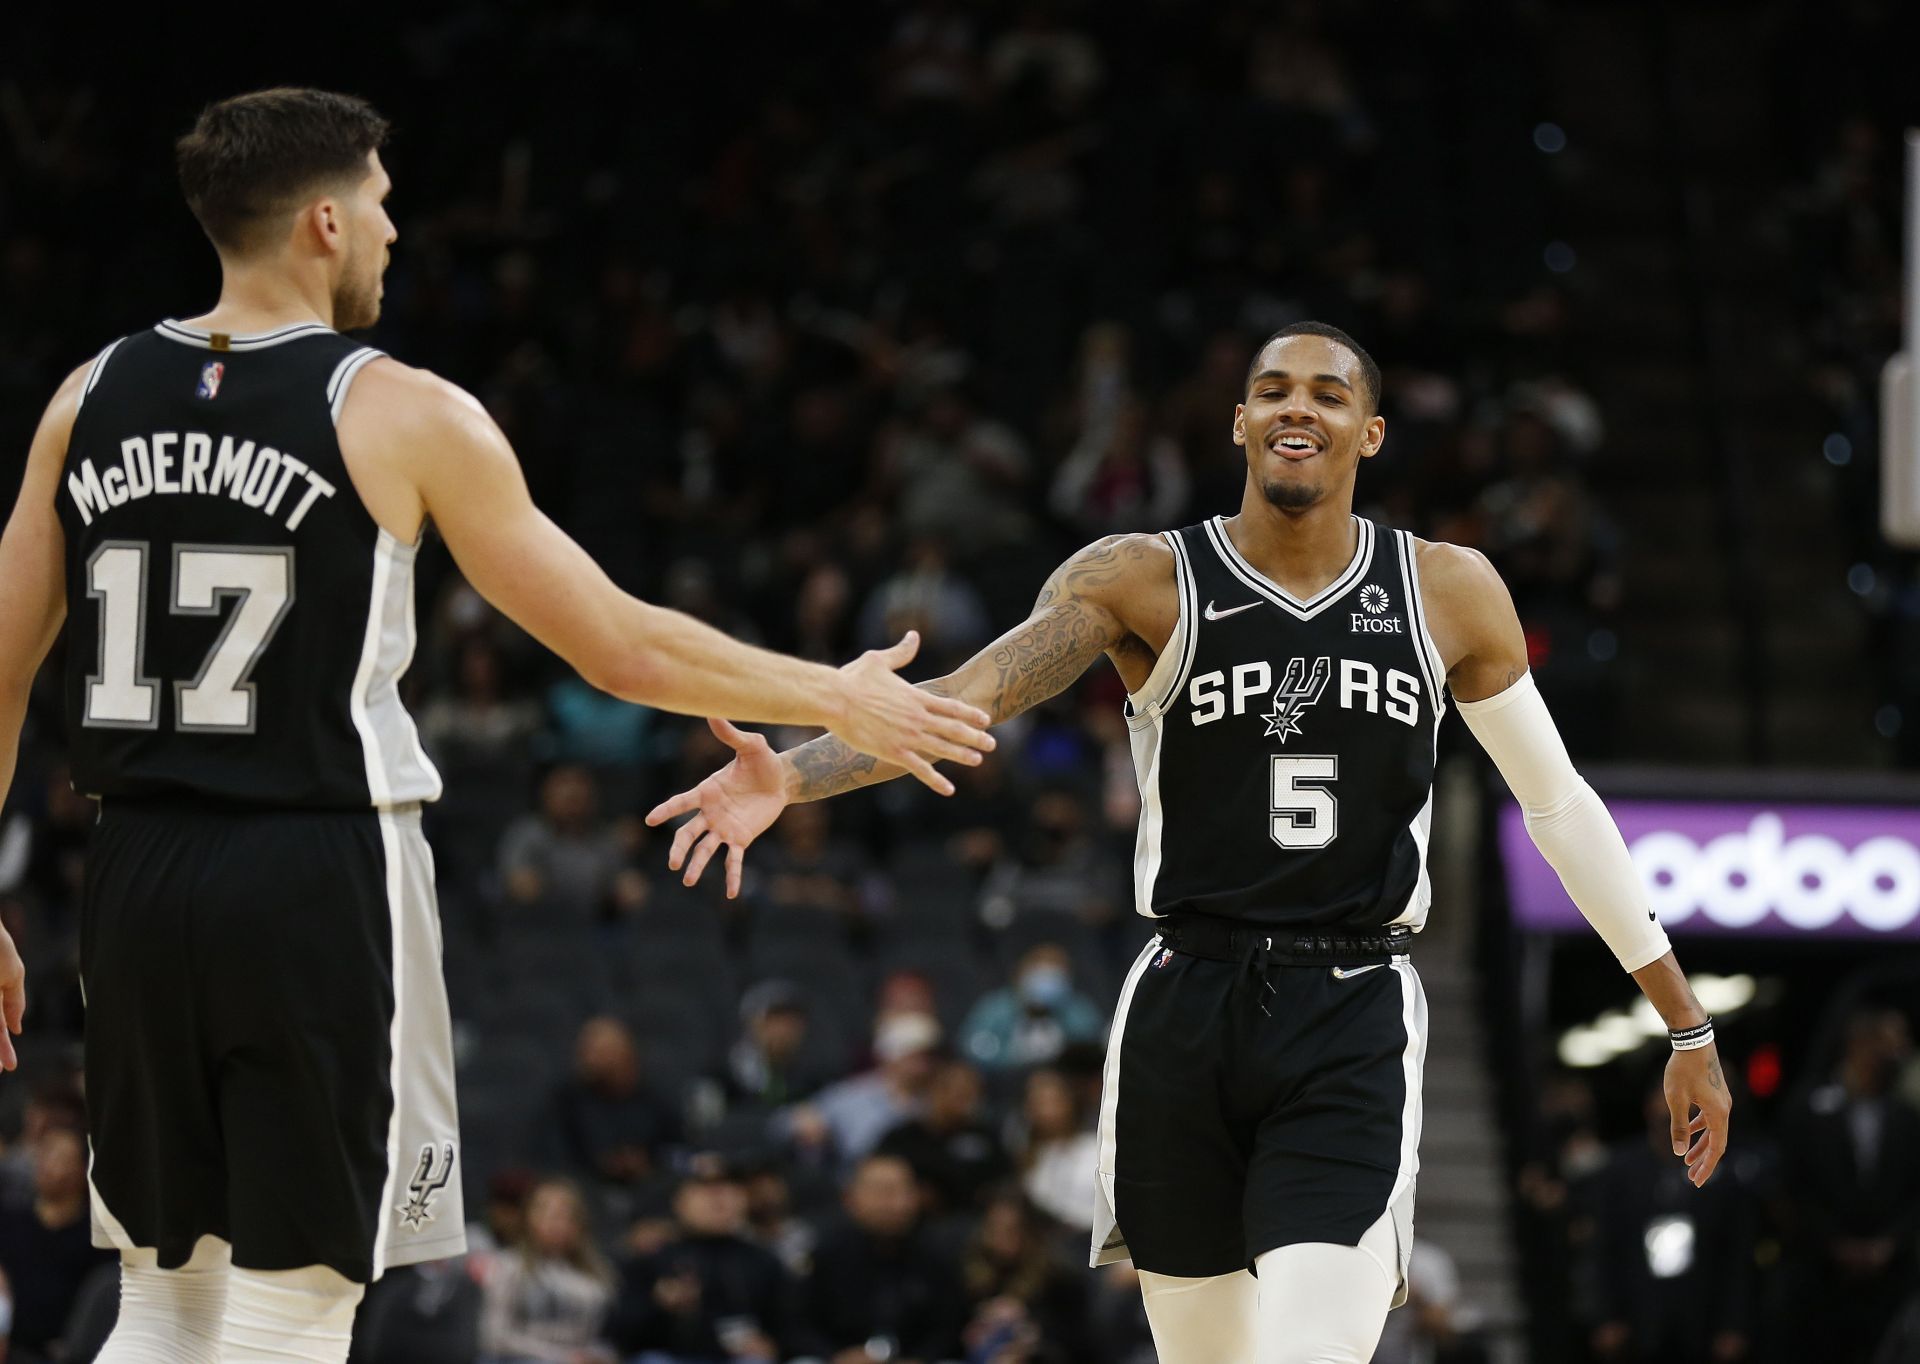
x=1169, y=675
x=196, y=336
x=343, y=376
x=1355, y=570
x=398, y=769
x=1107, y=1246
x=1428, y=659
x=93, y=373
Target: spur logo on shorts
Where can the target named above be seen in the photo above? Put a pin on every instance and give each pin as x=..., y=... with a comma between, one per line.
x=211, y=374
x=428, y=1180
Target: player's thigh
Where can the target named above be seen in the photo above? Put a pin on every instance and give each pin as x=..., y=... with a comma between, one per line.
x=157, y=1159
x=302, y=1027
x=1343, y=1148
x=1212, y=1320
x=1326, y=1304
x=1172, y=1159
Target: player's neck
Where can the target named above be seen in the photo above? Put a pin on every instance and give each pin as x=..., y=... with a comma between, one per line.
x=261, y=299
x=1302, y=551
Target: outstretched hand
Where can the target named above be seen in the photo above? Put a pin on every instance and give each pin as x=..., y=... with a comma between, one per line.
x=730, y=809
x=893, y=720
x=1698, y=1106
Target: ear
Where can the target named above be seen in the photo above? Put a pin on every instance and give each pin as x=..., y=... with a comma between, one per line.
x=1239, y=423
x=1373, y=437
x=328, y=219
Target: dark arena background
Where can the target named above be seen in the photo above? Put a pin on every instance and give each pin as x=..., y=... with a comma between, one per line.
x=820, y=321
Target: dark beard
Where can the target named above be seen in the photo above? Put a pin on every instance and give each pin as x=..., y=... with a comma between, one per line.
x=1290, y=497
x=355, y=307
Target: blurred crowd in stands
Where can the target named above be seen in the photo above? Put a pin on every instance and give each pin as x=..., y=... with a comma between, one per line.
x=820, y=351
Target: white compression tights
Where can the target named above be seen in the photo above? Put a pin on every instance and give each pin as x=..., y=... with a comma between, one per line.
x=207, y=1312
x=1314, y=1303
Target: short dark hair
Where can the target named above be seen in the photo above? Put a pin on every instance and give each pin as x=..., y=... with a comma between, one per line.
x=253, y=156
x=1368, y=369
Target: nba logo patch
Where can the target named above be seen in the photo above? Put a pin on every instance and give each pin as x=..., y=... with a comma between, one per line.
x=1166, y=955
x=210, y=375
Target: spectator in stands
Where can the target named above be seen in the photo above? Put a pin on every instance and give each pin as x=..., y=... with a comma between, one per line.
x=770, y=1218
x=844, y=1122
x=1121, y=476
x=1431, y=1327
x=806, y=869
x=603, y=1124
x=875, y=1280
x=1060, y=1159
x=1851, y=1161
x=1059, y=866
x=1117, y=1317
x=50, y=1106
x=1031, y=1021
x=711, y=1294
x=548, y=1303
x=764, y=1067
x=1020, y=1288
x=482, y=741
x=928, y=596
x=46, y=1245
x=957, y=475
x=566, y=861
x=1673, y=1264
x=952, y=1149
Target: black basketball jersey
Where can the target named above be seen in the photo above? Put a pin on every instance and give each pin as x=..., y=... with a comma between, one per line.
x=1285, y=748
x=238, y=621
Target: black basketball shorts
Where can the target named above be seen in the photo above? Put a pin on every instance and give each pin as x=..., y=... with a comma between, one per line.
x=268, y=1050
x=1228, y=1130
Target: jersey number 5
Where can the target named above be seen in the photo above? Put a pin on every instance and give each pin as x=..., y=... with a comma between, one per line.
x=220, y=697
x=1304, y=816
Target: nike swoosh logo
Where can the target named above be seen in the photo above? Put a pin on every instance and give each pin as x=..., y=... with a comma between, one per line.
x=1212, y=614
x=1349, y=972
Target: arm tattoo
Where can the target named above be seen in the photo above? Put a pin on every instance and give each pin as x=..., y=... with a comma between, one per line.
x=1037, y=659
x=1713, y=1074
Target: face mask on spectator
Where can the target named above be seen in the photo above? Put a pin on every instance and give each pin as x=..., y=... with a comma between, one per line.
x=1044, y=986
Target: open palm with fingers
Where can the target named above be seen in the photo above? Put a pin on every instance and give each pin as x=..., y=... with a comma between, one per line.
x=730, y=809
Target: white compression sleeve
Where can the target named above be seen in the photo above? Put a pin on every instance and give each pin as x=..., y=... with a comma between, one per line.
x=170, y=1314
x=1202, y=1321
x=300, y=1316
x=1567, y=821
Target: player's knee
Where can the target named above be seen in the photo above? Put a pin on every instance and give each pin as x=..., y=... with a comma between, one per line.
x=171, y=1314
x=293, y=1315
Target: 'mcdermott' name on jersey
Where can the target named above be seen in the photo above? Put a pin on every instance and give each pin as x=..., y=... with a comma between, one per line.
x=188, y=463
x=1213, y=696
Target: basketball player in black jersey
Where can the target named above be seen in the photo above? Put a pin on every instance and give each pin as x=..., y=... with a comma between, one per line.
x=228, y=511
x=1287, y=669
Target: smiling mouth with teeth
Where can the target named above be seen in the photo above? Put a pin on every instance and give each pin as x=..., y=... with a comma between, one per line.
x=1298, y=444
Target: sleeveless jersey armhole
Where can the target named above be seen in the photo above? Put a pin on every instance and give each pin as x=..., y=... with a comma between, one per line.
x=94, y=371
x=343, y=376
x=1434, y=674
x=1169, y=673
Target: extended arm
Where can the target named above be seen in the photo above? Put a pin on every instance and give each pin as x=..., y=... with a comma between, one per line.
x=1072, y=623
x=1079, y=615
x=33, y=603
x=456, y=468
x=1479, y=635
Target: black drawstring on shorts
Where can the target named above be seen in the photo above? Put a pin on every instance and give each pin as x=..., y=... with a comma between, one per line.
x=1256, y=960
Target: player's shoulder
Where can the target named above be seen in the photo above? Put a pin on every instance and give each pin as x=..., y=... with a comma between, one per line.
x=406, y=400
x=1458, y=574
x=1130, y=560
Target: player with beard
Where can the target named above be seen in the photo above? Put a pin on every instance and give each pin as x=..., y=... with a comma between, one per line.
x=1286, y=670
x=229, y=509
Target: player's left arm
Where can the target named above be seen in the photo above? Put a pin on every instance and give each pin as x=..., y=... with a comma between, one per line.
x=1484, y=652
x=33, y=603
